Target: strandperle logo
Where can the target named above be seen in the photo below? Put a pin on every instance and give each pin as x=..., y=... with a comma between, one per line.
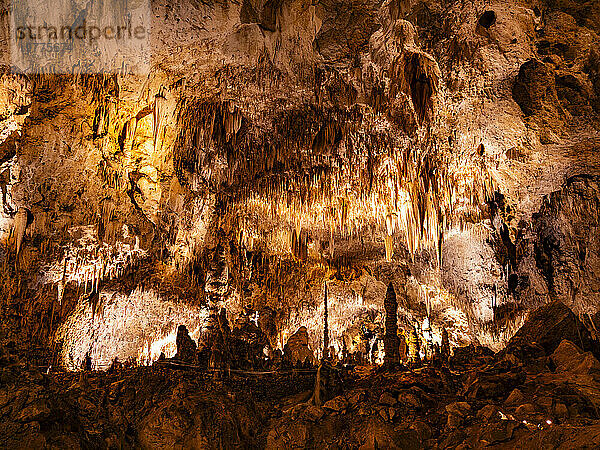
x=77, y=36
x=51, y=34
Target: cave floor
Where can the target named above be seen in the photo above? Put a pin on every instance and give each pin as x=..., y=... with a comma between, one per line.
x=532, y=400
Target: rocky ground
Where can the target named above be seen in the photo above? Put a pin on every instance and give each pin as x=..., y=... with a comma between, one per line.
x=542, y=391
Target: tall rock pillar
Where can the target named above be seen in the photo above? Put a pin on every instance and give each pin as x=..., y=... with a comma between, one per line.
x=325, y=327
x=390, y=340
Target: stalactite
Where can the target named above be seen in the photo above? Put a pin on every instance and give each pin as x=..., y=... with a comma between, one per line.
x=158, y=116
x=20, y=225
x=389, y=247
x=130, y=129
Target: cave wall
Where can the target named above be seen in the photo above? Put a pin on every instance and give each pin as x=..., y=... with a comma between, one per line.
x=567, y=250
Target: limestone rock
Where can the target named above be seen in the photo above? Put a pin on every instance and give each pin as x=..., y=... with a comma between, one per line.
x=525, y=410
x=535, y=89
x=461, y=409
x=488, y=412
x=423, y=430
x=249, y=342
x=313, y=413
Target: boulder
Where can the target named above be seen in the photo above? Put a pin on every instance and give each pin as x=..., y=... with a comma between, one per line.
x=356, y=397
x=313, y=413
x=461, y=409
x=526, y=409
x=387, y=399
x=515, y=398
x=410, y=399
x=336, y=404
x=34, y=412
x=457, y=412
x=423, y=430
x=454, y=439
x=561, y=411
x=377, y=434
x=548, y=326
x=494, y=381
x=562, y=437
x=569, y=358
x=488, y=412
x=498, y=432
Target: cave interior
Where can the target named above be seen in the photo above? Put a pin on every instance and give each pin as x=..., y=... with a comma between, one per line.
x=300, y=224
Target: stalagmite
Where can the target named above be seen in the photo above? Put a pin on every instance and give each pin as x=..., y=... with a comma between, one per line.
x=445, y=346
x=428, y=337
x=391, y=327
x=325, y=326
x=413, y=346
x=403, y=347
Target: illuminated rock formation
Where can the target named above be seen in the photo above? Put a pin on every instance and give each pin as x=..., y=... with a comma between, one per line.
x=249, y=343
x=20, y=225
